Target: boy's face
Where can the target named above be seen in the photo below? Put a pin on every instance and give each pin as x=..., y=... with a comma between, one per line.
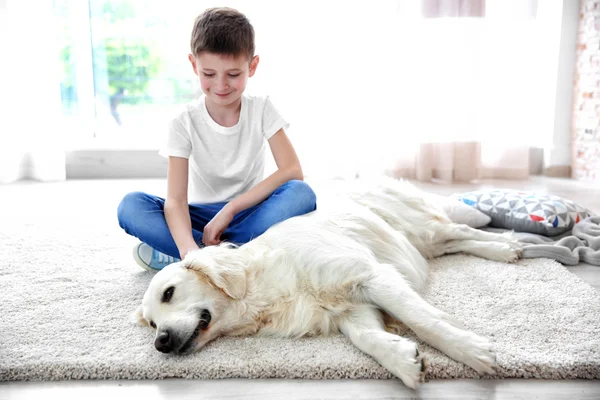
x=223, y=78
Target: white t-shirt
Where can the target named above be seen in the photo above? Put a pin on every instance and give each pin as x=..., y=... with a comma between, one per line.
x=224, y=162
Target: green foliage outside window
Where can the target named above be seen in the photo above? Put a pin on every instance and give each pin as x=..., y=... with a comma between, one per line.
x=130, y=64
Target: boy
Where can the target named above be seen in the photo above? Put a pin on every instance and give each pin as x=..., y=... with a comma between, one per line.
x=217, y=146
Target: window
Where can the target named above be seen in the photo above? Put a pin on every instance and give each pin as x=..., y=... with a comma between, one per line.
x=124, y=69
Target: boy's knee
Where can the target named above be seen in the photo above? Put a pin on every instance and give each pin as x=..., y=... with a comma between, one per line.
x=130, y=204
x=303, y=194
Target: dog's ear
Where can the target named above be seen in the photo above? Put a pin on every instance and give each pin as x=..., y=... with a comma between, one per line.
x=224, y=266
x=137, y=317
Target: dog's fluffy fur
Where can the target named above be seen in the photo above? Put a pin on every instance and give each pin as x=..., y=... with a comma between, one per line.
x=352, y=268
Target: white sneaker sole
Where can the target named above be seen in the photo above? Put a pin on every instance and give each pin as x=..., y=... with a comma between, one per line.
x=140, y=262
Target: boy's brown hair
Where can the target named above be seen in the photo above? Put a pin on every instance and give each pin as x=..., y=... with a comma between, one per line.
x=223, y=30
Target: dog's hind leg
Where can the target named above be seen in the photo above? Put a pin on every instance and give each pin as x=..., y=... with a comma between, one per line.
x=454, y=238
x=452, y=231
x=497, y=251
x=390, y=291
x=365, y=329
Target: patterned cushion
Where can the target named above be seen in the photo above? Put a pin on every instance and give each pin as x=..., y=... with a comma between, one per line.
x=543, y=214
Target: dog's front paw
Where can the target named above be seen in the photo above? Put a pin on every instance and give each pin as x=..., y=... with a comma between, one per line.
x=479, y=354
x=406, y=362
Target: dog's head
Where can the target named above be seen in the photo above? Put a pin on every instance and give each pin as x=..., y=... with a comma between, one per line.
x=191, y=302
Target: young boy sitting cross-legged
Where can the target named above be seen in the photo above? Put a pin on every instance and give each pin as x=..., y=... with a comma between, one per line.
x=216, y=151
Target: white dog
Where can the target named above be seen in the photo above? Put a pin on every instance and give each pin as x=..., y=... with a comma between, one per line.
x=352, y=269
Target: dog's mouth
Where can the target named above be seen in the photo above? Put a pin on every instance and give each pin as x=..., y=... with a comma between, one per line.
x=205, y=318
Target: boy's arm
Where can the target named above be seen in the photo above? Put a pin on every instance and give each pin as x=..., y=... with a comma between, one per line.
x=288, y=168
x=177, y=211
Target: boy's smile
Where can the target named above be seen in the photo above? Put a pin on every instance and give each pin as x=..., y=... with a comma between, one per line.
x=223, y=79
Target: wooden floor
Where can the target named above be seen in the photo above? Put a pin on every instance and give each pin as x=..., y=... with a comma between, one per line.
x=585, y=193
x=261, y=389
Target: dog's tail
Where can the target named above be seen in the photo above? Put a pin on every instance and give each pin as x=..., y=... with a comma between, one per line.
x=399, y=203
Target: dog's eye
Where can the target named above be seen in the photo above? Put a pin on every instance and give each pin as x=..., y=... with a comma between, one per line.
x=152, y=324
x=168, y=294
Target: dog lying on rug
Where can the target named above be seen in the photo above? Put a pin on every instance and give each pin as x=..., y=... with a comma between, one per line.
x=355, y=268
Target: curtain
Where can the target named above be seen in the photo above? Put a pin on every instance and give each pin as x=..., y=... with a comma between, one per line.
x=398, y=89
x=475, y=89
x=453, y=8
x=31, y=141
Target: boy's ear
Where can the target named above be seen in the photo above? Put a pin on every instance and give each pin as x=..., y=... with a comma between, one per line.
x=193, y=62
x=253, y=65
x=224, y=269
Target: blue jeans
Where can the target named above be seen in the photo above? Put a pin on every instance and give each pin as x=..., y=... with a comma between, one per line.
x=142, y=215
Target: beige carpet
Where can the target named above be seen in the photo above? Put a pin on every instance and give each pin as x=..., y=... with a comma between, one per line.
x=69, y=285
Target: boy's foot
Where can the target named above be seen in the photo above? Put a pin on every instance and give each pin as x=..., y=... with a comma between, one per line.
x=151, y=259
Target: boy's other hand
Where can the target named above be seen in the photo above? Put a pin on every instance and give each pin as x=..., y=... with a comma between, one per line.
x=215, y=228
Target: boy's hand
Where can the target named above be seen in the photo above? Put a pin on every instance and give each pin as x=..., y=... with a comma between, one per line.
x=215, y=228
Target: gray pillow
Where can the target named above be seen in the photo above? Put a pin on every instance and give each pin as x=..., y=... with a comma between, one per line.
x=544, y=214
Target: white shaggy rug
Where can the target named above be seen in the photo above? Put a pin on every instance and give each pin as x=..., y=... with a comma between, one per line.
x=69, y=286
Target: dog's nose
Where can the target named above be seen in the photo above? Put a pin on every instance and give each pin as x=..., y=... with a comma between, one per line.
x=163, y=342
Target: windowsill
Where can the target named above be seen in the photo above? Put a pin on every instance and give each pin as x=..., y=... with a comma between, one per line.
x=104, y=162
x=113, y=144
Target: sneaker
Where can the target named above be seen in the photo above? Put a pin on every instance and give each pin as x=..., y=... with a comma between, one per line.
x=151, y=259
